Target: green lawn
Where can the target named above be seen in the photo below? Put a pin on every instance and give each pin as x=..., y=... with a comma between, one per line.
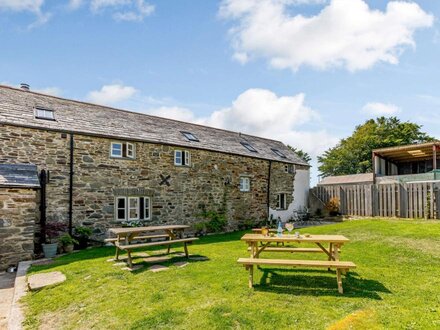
x=396, y=286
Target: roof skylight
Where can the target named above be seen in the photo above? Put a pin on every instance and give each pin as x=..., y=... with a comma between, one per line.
x=248, y=147
x=190, y=136
x=43, y=113
x=278, y=153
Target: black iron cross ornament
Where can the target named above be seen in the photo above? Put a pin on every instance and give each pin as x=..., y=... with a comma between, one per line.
x=165, y=180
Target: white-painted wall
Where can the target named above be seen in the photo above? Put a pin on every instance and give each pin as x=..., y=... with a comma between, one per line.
x=301, y=187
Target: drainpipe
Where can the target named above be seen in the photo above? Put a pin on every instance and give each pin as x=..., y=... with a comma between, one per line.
x=71, y=184
x=268, y=188
x=43, y=181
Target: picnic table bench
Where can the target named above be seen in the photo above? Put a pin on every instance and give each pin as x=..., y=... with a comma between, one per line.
x=259, y=243
x=125, y=238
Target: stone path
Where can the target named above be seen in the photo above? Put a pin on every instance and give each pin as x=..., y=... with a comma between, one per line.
x=39, y=281
x=6, y=295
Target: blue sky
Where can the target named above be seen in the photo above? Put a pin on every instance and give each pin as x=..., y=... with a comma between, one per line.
x=302, y=71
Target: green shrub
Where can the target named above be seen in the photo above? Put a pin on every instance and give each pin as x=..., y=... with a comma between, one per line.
x=216, y=221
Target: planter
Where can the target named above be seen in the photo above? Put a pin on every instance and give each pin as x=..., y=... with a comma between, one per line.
x=83, y=242
x=68, y=248
x=50, y=250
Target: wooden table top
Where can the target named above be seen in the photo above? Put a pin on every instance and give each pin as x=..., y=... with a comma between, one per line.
x=130, y=230
x=293, y=238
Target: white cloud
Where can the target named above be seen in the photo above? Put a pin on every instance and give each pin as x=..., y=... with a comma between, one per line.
x=176, y=113
x=124, y=10
x=75, y=4
x=381, y=109
x=32, y=6
x=346, y=33
x=112, y=94
x=54, y=91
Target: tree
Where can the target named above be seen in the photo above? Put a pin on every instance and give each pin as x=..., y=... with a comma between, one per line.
x=301, y=154
x=353, y=155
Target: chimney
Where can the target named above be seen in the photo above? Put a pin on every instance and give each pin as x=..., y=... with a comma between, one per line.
x=24, y=87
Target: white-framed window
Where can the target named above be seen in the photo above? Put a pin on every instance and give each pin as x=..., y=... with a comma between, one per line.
x=182, y=158
x=130, y=150
x=190, y=136
x=146, y=208
x=121, y=208
x=245, y=183
x=282, y=201
x=43, y=113
x=133, y=208
x=116, y=149
x=122, y=150
x=248, y=147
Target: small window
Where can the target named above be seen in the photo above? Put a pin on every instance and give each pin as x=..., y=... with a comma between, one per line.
x=281, y=203
x=245, y=183
x=130, y=150
x=42, y=113
x=248, y=147
x=121, y=208
x=146, y=208
x=122, y=150
x=288, y=168
x=182, y=158
x=278, y=153
x=116, y=150
x=133, y=208
x=190, y=136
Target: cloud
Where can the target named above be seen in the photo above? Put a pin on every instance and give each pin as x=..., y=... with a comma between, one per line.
x=176, y=113
x=381, y=109
x=112, y=94
x=124, y=10
x=32, y=6
x=54, y=91
x=75, y=4
x=346, y=33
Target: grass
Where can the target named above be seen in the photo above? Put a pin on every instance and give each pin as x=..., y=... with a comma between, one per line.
x=396, y=286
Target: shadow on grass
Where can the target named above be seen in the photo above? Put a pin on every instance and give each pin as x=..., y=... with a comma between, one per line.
x=318, y=283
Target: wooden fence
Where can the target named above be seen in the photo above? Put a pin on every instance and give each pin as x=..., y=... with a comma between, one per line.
x=404, y=200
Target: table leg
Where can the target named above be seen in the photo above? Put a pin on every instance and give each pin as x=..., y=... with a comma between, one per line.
x=336, y=251
x=186, y=250
x=331, y=253
x=252, y=249
x=130, y=262
x=251, y=276
x=171, y=237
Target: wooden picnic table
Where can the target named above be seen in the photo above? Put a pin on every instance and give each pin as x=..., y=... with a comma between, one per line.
x=126, y=235
x=259, y=243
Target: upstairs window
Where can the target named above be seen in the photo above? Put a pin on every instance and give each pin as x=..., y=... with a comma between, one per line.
x=190, y=136
x=288, y=168
x=245, y=184
x=182, y=158
x=278, y=153
x=122, y=150
x=248, y=147
x=282, y=201
x=43, y=113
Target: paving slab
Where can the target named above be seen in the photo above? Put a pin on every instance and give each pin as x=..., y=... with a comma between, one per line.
x=141, y=254
x=200, y=258
x=157, y=259
x=157, y=268
x=42, y=262
x=39, y=281
x=181, y=264
x=135, y=267
x=119, y=264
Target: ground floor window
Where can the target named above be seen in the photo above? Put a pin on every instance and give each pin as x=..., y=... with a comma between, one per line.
x=133, y=208
x=282, y=201
x=245, y=183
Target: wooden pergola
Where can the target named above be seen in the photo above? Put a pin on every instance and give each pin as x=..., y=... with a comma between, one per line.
x=408, y=153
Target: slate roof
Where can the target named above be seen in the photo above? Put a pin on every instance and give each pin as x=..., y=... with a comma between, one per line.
x=347, y=179
x=17, y=108
x=19, y=175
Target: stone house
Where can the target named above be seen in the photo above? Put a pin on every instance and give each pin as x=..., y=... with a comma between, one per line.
x=106, y=166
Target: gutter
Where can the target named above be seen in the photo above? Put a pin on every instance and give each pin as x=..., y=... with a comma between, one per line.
x=71, y=184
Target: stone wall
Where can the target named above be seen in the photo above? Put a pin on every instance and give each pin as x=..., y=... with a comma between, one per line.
x=211, y=182
x=17, y=225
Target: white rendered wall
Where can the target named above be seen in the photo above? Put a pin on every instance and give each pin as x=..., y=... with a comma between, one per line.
x=301, y=186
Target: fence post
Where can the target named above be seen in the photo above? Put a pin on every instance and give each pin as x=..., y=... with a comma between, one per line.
x=374, y=200
x=403, y=207
x=342, y=200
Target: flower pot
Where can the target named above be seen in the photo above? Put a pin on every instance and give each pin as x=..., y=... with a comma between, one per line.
x=68, y=248
x=50, y=250
x=83, y=242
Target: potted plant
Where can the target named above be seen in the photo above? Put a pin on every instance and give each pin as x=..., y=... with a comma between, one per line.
x=82, y=235
x=67, y=242
x=52, y=232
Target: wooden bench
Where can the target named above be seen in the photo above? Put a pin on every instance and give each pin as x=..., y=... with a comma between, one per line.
x=290, y=249
x=340, y=266
x=114, y=239
x=129, y=247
